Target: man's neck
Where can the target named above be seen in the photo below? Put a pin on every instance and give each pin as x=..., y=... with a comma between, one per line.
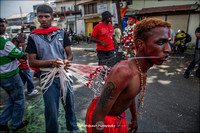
x=105, y=22
x=45, y=27
x=144, y=64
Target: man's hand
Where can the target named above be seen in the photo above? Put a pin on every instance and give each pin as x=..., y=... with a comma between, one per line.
x=58, y=62
x=103, y=43
x=115, y=45
x=25, y=56
x=67, y=64
x=133, y=125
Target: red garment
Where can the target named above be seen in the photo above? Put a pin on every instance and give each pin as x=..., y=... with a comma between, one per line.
x=116, y=124
x=123, y=12
x=105, y=33
x=45, y=31
x=35, y=68
x=23, y=64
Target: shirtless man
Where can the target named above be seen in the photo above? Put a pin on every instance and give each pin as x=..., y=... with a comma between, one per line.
x=128, y=78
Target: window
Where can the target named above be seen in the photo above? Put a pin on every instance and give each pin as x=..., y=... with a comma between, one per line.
x=63, y=9
x=76, y=8
x=16, y=30
x=90, y=8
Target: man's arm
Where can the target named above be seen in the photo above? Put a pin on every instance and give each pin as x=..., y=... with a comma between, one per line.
x=14, y=52
x=114, y=85
x=34, y=62
x=69, y=53
x=115, y=42
x=92, y=38
x=133, y=125
x=69, y=59
x=67, y=47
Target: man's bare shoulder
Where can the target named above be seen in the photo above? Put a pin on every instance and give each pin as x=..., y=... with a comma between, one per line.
x=121, y=70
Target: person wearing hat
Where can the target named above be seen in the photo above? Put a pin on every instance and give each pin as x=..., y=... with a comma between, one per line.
x=102, y=34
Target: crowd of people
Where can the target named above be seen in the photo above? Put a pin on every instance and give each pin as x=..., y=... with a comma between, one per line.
x=46, y=48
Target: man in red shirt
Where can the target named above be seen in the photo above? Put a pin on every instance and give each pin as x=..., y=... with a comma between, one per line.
x=102, y=34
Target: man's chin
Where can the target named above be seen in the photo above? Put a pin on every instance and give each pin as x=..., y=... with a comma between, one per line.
x=159, y=62
x=45, y=26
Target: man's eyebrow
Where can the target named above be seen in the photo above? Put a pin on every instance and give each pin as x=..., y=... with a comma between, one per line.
x=163, y=39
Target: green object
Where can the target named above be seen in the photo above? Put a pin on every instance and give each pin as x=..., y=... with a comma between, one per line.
x=132, y=53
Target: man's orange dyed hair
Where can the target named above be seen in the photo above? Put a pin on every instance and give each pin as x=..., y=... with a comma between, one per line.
x=147, y=25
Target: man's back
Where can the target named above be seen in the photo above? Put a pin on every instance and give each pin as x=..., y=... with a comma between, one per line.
x=127, y=79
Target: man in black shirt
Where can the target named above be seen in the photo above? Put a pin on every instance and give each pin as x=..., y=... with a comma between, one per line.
x=46, y=48
x=196, y=56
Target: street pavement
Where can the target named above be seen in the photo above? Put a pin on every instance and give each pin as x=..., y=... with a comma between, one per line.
x=171, y=102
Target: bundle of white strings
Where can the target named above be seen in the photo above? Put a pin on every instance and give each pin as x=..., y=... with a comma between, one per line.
x=92, y=76
x=65, y=81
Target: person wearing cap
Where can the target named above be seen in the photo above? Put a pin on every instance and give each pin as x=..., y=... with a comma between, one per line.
x=127, y=38
x=102, y=34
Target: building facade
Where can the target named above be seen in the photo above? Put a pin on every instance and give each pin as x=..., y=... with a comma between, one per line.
x=91, y=13
x=182, y=14
x=66, y=14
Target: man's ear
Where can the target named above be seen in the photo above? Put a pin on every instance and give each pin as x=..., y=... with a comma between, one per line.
x=52, y=17
x=140, y=44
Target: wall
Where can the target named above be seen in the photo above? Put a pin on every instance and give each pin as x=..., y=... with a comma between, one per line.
x=64, y=4
x=80, y=27
x=186, y=22
x=193, y=24
x=178, y=22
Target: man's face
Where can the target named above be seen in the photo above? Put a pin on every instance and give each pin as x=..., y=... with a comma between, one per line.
x=45, y=19
x=109, y=19
x=157, y=45
x=131, y=22
x=2, y=28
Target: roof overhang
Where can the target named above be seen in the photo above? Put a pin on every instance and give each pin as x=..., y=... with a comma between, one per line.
x=90, y=16
x=180, y=8
x=84, y=2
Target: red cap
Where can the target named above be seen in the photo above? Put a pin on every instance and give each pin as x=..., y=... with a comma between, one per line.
x=131, y=18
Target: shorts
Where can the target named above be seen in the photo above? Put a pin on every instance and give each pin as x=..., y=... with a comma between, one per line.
x=112, y=124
